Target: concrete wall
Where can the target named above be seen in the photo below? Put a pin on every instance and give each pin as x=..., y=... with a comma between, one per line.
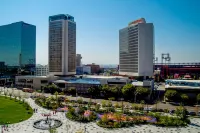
x=146, y=46
x=36, y=81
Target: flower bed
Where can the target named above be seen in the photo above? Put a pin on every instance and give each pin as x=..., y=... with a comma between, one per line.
x=115, y=120
x=81, y=114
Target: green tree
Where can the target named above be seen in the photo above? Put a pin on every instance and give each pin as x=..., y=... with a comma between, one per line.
x=72, y=90
x=115, y=90
x=94, y=91
x=171, y=94
x=181, y=112
x=184, y=98
x=80, y=100
x=103, y=103
x=198, y=98
x=142, y=91
x=128, y=90
x=105, y=90
x=142, y=102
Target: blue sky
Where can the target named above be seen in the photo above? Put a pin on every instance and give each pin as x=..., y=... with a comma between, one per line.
x=176, y=22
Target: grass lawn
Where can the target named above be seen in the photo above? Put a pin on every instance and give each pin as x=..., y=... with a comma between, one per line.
x=13, y=111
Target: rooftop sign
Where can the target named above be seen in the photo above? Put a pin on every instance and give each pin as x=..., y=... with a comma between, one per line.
x=141, y=20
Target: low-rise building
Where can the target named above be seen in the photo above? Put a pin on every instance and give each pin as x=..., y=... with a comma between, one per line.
x=146, y=83
x=189, y=87
x=35, y=82
x=95, y=69
x=80, y=70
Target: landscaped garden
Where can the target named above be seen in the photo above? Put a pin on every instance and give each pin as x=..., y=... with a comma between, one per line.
x=109, y=115
x=13, y=110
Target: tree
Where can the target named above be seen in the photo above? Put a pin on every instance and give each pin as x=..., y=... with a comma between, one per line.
x=142, y=103
x=198, y=98
x=171, y=94
x=52, y=88
x=115, y=90
x=142, y=92
x=56, y=94
x=72, y=90
x=128, y=90
x=184, y=98
x=181, y=112
x=94, y=91
x=105, y=90
x=80, y=100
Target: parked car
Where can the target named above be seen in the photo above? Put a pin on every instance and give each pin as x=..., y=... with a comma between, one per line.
x=28, y=90
x=192, y=113
x=148, y=109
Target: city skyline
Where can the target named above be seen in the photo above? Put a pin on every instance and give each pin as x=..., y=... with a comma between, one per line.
x=176, y=26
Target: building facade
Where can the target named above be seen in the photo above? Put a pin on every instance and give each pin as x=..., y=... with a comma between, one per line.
x=42, y=70
x=169, y=70
x=62, y=45
x=18, y=45
x=78, y=59
x=80, y=70
x=34, y=82
x=95, y=69
x=136, y=49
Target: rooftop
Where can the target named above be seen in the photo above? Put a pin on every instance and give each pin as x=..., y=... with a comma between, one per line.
x=104, y=77
x=79, y=81
x=61, y=17
x=22, y=22
x=179, y=80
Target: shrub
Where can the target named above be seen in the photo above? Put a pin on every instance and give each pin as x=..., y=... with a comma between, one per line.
x=166, y=110
x=171, y=94
x=117, y=105
x=109, y=104
x=116, y=125
x=80, y=101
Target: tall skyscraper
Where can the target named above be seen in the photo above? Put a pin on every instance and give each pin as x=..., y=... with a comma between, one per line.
x=62, y=45
x=78, y=59
x=18, y=45
x=136, y=49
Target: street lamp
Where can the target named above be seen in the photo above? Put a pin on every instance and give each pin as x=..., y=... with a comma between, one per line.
x=122, y=99
x=135, y=96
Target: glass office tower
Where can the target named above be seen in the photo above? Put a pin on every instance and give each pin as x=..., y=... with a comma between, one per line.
x=18, y=45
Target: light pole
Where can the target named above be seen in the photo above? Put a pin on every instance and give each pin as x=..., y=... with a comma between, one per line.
x=122, y=99
x=135, y=96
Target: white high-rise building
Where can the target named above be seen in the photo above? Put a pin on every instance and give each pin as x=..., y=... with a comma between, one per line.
x=42, y=70
x=136, y=49
x=62, y=45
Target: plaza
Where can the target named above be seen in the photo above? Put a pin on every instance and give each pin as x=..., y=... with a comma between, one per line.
x=69, y=126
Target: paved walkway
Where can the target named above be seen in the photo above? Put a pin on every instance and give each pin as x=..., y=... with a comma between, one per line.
x=27, y=126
